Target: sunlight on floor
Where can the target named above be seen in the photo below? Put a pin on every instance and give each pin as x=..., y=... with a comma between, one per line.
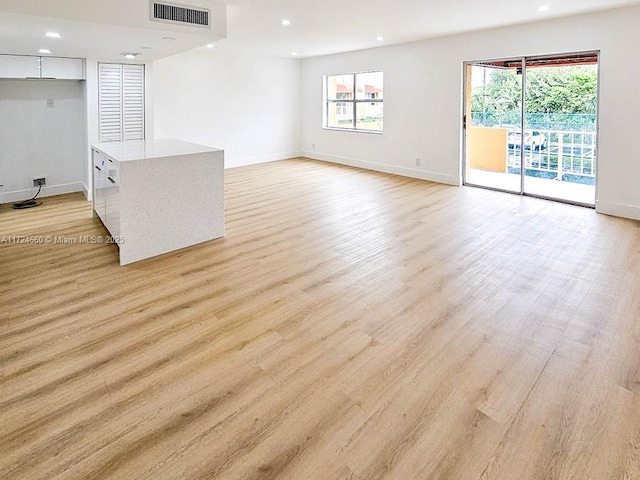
x=573, y=192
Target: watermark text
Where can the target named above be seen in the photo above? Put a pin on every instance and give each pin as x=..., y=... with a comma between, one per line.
x=59, y=240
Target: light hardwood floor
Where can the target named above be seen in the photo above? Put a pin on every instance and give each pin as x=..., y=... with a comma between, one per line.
x=351, y=325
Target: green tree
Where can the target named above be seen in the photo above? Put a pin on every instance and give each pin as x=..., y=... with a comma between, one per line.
x=570, y=89
x=562, y=90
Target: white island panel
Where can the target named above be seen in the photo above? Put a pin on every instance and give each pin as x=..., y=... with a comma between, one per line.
x=164, y=203
x=183, y=204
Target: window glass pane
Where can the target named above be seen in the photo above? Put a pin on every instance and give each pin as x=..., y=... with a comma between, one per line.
x=340, y=115
x=340, y=87
x=369, y=116
x=359, y=94
x=369, y=86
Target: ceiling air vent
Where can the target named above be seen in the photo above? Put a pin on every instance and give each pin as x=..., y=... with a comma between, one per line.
x=182, y=14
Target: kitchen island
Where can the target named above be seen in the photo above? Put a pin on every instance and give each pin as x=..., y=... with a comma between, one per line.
x=157, y=196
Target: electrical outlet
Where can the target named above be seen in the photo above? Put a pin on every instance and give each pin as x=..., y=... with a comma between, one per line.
x=50, y=103
x=39, y=182
x=418, y=162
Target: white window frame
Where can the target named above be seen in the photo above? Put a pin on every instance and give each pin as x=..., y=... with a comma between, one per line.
x=353, y=102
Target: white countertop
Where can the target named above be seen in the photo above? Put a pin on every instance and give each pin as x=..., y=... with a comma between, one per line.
x=149, y=149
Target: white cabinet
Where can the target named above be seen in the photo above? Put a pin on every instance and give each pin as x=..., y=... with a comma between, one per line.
x=99, y=185
x=62, y=68
x=18, y=66
x=112, y=197
x=23, y=66
x=106, y=191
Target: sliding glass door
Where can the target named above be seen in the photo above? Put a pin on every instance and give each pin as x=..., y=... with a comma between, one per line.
x=494, y=115
x=530, y=126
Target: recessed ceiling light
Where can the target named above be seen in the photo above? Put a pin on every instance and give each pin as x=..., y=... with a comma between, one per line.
x=294, y=54
x=286, y=22
x=543, y=8
x=168, y=38
x=53, y=34
x=210, y=45
x=145, y=48
x=129, y=55
x=44, y=50
x=380, y=38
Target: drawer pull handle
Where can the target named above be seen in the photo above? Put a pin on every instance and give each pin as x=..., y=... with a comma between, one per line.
x=111, y=180
x=98, y=168
x=110, y=160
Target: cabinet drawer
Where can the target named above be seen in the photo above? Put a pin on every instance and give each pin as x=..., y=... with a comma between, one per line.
x=112, y=169
x=99, y=160
x=112, y=220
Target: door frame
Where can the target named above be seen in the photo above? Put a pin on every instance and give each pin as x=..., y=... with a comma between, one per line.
x=465, y=123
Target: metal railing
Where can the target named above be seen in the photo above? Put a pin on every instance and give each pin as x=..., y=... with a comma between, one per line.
x=574, y=122
x=568, y=156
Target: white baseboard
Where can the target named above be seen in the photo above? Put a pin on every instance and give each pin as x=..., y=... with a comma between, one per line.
x=85, y=190
x=618, y=210
x=243, y=162
x=19, y=195
x=379, y=167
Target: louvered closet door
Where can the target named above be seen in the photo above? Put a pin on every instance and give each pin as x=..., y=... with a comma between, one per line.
x=133, y=101
x=121, y=102
x=110, y=101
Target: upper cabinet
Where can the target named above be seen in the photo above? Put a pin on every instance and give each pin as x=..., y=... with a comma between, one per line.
x=62, y=68
x=19, y=66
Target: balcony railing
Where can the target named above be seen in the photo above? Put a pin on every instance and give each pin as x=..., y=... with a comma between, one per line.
x=568, y=155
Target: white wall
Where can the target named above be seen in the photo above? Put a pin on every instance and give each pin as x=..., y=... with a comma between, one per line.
x=91, y=122
x=423, y=100
x=39, y=141
x=247, y=105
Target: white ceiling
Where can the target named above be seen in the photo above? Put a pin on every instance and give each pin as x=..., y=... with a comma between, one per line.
x=322, y=27
x=103, y=29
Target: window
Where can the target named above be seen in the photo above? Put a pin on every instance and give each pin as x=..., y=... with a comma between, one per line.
x=342, y=109
x=354, y=101
x=121, y=102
